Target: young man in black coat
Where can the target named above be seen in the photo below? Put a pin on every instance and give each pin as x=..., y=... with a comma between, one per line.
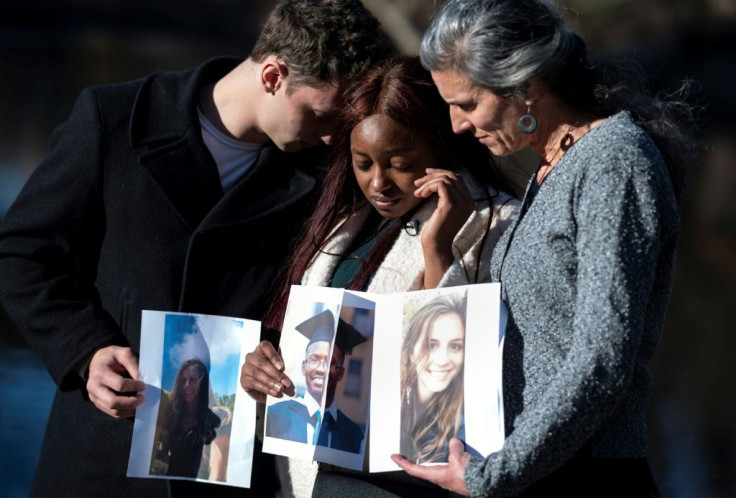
x=178, y=192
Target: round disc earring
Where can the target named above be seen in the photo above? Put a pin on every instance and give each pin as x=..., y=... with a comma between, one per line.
x=528, y=123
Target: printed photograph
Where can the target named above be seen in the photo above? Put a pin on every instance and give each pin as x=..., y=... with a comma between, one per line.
x=190, y=428
x=440, y=375
x=432, y=368
x=326, y=346
x=344, y=427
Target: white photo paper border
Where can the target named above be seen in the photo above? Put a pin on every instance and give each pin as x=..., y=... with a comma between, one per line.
x=483, y=411
x=240, y=453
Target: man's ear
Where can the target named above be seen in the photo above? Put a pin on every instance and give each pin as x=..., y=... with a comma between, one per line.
x=273, y=74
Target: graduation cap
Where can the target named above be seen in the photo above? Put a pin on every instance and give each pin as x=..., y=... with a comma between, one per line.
x=348, y=337
x=320, y=327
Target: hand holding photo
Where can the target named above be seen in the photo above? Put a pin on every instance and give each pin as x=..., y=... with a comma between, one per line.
x=441, y=374
x=330, y=345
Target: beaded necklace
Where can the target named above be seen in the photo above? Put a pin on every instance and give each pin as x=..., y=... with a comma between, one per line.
x=565, y=143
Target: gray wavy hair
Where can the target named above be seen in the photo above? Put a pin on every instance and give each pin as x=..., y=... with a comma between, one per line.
x=499, y=44
x=504, y=44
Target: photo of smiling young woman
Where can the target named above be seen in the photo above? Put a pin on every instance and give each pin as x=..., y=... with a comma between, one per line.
x=432, y=366
x=188, y=423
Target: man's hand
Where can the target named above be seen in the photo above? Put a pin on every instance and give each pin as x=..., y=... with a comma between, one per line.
x=112, y=384
x=449, y=476
x=263, y=373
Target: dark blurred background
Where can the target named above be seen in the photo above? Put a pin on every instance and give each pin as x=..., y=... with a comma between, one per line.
x=50, y=50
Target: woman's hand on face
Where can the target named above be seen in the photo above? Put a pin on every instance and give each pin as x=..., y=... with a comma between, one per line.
x=263, y=373
x=454, y=206
x=450, y=476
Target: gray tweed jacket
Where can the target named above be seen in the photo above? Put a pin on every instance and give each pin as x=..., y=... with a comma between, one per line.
x=586, y=276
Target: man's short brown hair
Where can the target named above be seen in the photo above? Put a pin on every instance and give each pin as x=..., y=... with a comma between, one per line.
x=322, y=41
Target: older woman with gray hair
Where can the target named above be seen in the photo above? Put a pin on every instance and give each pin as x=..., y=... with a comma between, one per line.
x=587, y=269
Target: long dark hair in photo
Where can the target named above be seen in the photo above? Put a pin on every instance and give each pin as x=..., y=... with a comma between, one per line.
x=177, y=405
x=426, y=428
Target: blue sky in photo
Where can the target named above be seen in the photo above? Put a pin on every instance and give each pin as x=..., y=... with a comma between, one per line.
x=212, y=339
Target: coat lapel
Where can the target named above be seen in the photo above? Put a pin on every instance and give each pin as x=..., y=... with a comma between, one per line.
x=504, y=243
x=299, y=421
x=272, y=184
x=187, y=177
x=166, y=136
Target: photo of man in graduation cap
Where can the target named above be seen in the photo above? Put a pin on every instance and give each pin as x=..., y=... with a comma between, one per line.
x=303, y=419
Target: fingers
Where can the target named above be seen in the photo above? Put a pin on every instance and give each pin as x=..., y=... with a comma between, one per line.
x=433, y=180
x=453, y=194
x=457, y=449
x=253, y=387
x=457, y=459
x=112, y=384
x=436, y=186
x=433, y=173
x=262, y=373
x=446, y=184
x=266, y=349
x=449, y=476
x=114, y=404
x=256, y=380
x=454, y=207
x=432, y=474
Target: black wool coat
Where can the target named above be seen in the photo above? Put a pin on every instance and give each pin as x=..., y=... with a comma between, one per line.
x=127, y=213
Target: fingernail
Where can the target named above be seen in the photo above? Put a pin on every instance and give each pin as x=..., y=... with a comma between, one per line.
x=286, y=382
x=279, y=365
x=276, y=386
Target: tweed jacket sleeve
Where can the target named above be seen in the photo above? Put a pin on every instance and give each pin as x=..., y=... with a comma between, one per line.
x=586, y=278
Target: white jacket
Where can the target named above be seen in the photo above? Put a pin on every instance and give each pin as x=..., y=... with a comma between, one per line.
x=403, y=267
